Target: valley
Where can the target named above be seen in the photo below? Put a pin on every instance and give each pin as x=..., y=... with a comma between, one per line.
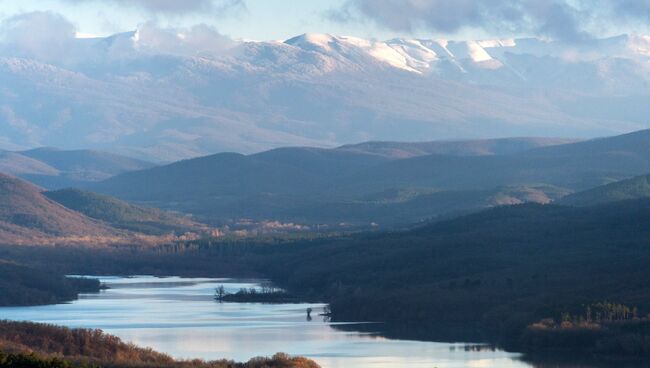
x=353, y=183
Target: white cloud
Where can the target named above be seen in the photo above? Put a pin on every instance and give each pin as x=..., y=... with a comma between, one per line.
x=51, y=38
x=41, y=35
x=196, y=40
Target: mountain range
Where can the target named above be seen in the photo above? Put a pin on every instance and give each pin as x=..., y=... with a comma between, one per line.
x=367, y=184
x=161, y=100
x=374, y=183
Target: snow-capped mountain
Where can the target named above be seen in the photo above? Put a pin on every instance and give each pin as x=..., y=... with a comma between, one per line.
x=165, y=96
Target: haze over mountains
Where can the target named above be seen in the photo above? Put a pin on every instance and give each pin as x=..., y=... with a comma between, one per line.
x=387, y=183
x=366, y=184
x=54, y=168
x=153, y=95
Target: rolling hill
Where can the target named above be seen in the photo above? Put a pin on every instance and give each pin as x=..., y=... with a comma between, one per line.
x=575, y=166
x=122, y=214
x=27, y=216
x=309, y=184
x=630, y=189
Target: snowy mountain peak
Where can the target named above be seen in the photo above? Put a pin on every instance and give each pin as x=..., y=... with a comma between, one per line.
x=168, y=94
x=312, y=40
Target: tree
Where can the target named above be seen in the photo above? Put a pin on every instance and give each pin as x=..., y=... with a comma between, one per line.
x=219, y=293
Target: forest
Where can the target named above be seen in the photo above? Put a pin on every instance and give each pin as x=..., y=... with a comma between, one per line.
x=24, y=285
x=490, y=275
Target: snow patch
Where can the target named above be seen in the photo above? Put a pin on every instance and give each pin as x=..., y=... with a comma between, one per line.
x=477, y=53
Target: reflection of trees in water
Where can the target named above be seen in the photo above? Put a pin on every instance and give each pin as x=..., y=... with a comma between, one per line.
x=448, y=333
x=474, y=348
x=419, y=332
x=577, y=360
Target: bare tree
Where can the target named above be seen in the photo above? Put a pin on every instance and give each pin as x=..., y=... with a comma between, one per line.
x=219, y=293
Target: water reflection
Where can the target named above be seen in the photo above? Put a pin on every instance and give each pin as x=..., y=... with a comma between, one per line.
x=179, y=317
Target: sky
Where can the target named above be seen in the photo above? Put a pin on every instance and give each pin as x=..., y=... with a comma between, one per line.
x=568, y=20
x=250, y=19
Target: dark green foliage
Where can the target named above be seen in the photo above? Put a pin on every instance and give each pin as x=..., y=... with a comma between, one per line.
x=630, y=338
x=21, y=285
x=498, y=271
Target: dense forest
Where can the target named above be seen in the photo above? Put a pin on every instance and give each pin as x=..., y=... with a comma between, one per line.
x=490, y=275
x=31, y=345
x=22, y=285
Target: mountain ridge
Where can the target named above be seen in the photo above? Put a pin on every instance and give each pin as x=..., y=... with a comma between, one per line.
x=307, y=184
x=166, y=104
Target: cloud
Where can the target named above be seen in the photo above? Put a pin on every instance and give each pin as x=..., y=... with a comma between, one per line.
x=193, y=41
x=564, y=20
x=178, y=7
x=40, y=35
x=49, y=37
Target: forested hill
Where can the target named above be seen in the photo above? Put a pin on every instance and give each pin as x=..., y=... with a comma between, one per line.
x=123, y=215
x=634, y=188
x=500, y=269
x=28, y=217
x=314, y=186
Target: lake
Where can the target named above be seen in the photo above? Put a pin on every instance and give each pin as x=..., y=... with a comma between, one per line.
x=179, y=316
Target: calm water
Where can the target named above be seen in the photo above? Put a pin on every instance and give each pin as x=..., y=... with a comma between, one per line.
x=179, y=317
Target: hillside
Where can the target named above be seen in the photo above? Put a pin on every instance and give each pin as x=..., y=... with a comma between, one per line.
x=407, y=206
x=575, y=166
x=479, y=147
x=14, y=163
x=73, y=167
x=220, y=177
x=630, y=189
x=308, y=184
x=122, y=214
x=499, y=270
x=26, y=215
x=25, y=344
